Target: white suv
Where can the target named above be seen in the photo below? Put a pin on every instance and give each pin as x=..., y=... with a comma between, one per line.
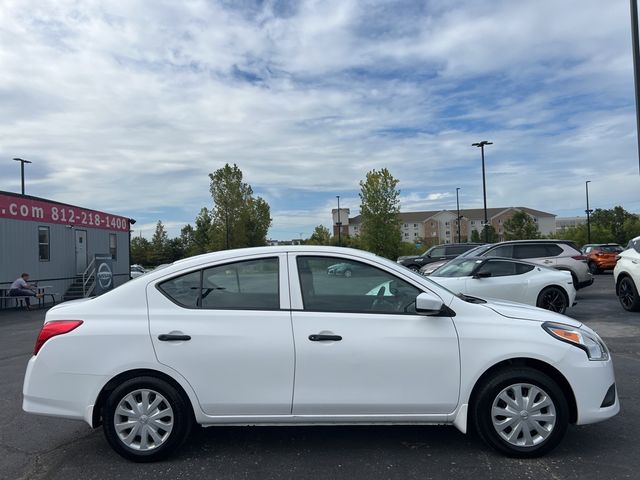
x=627, y=276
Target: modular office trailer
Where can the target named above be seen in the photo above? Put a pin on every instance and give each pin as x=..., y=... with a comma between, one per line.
x=55, y=243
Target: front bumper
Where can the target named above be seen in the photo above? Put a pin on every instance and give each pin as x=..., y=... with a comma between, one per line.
x=591, y=381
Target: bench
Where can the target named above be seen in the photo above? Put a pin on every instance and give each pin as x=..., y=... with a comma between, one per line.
x=20, y=299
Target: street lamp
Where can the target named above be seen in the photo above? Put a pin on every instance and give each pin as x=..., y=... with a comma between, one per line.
x=588, y=211
x=458, y=208
x=484, y=188
x=22, y=162
x=339, y=223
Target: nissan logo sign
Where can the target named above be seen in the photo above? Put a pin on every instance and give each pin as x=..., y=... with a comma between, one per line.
x=105, y=277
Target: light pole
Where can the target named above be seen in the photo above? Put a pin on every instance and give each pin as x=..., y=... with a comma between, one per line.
x=458, y=209
x=22, y=162
x=635, y=52
x=588, y=211
x=484, y=188
x=339, y=223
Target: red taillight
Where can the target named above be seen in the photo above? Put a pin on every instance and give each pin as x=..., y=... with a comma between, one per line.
x=53, y=328
x=579, y=257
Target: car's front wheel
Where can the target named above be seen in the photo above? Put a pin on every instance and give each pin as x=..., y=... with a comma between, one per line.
x=521, y=412
x=628, y=295
x=554, y=299
x=145, y=419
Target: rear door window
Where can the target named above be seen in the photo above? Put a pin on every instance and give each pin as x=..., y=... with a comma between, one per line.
x=247, y=285
x=532, y=250
x=457, y=250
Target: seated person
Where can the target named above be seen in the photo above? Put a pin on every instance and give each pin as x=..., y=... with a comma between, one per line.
x=21, y=288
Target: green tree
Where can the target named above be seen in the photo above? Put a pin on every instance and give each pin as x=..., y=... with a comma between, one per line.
x=521, y=227
x=379, y=209
x=203, y=232
x=320, y=236
x=140, y=248
x=238, y=219
x=187, y=240
x=475, y=236
x=159, y=251
x=612, y=220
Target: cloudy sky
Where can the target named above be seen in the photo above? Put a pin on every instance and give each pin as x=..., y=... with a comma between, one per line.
x=126, y=106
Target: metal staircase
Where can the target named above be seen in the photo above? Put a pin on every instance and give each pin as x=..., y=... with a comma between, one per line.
x=83, y=285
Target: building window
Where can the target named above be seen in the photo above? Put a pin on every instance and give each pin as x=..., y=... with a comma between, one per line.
x=113, y=245
x=473, y=222
x=415, y=234
x=415, y=225
x=406, y=235
x=448, y=232
x=43, y=244
x=446, y=223
x=406, y=225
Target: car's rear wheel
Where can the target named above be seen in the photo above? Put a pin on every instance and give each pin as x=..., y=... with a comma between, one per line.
x=146, y=419
x=521, y=412
x=554, y=299
x=628, y=295
x=593, y=268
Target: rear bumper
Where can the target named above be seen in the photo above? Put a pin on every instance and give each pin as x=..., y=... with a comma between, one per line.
x=586, y=283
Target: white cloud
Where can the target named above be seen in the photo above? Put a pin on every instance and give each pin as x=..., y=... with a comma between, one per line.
x=127, y=106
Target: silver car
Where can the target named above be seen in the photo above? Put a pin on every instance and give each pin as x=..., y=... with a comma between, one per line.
x=559, y=254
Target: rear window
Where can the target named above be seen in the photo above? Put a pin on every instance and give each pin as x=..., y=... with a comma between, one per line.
x=457, y=250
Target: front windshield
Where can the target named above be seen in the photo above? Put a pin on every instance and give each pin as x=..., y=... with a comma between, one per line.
x=476, y=252
x=457, y=268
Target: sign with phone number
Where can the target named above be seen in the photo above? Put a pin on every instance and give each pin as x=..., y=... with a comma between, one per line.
x=19, y=208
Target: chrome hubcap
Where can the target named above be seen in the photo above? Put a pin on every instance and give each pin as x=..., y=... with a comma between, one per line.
x=143, y=420
x=523, y=415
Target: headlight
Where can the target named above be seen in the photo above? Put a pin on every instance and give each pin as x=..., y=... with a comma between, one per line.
x=579, y=337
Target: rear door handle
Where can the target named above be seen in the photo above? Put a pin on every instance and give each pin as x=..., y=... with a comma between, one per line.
x=168, y=337
x=325, y=338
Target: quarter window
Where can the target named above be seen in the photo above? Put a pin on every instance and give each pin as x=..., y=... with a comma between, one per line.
x=338, y=285
x=43, y=244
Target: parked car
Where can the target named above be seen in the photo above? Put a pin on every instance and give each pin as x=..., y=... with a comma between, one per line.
x=136, y=271
x=558, y=254
x=435, y=254
x=627, y=276
x=344, y=269
x=509, y=279
x=602, y=256
x=218, y=339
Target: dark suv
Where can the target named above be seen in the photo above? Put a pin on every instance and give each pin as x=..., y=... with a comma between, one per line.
x=446, y=251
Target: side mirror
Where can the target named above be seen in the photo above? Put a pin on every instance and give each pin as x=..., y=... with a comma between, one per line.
x=482, y=275
x=428, y=304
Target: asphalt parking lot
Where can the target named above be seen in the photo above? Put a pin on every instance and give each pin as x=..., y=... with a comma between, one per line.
x=34, y=447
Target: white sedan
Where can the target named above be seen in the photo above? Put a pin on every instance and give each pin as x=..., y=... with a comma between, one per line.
x=509, y=279
x=264, y=336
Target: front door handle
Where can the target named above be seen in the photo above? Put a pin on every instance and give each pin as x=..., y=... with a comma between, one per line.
x=169, y=337
x=325, y=338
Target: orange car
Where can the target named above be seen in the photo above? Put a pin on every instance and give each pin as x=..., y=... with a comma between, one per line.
x=602, y=257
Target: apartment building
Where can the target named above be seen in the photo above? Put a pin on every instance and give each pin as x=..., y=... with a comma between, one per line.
x=441, y=226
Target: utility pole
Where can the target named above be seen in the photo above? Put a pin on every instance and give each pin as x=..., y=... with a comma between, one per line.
x=635, y=52
x=22, y=162
x=588, y=211
x=484, y=188
x=458, y=209
x=339, y=223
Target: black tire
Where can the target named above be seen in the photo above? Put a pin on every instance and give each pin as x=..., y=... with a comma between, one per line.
x=593, y=268
x=628, y=295
x=415, y=268
x=554, y=299
x=182, y=419
x=513, y=378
